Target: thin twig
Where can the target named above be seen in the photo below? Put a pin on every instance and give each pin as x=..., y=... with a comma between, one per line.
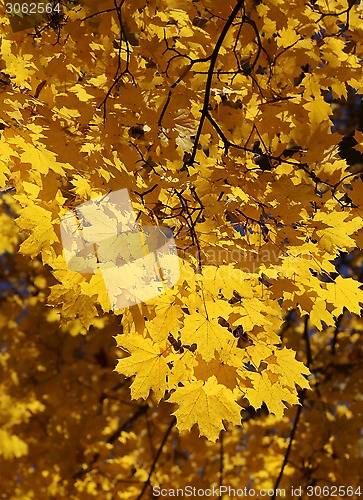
x=153, y=465
x=287, y=453
x=299, y=410
x=208, y=85
x=83, y=471
x=221, y=464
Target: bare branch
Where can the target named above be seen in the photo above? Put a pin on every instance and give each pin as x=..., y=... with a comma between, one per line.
x=157, y=456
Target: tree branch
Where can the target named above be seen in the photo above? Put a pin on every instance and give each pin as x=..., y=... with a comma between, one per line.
x=208, y=85
x=157, y=456
x=221, y=463
x=141, y=411
x=298, y=412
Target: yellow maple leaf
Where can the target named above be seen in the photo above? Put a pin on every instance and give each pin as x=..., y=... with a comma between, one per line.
x=81, y=93
x=288, y=36
x=338, y=230
x=275, y=385
x=182, y=368
x=96, y=287
x=82, y=187
x=345, y=292
x=84, y=308
x=41, y=159
x=146, y=362
x=319, y=313
x=252, y=312
x=226, y=374
x=167, y=316
x=38, y=221
x=264, y=391
x=207, y=334
x=290, y=370
x=206, y=404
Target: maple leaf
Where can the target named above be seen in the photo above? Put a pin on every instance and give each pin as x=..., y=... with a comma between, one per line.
x=338, y=232
x=290, y=370
x=147, y=362
x=267, y=389
x=38, y=221
x=206, y=404
x=344, y=292
x=319, y=313
x=209, y=335
x=250, y=314
x=168, y=313
x=276, y=384
x=82, y=186
x=41, y=159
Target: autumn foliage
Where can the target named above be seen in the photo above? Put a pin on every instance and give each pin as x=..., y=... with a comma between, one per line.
x=217, y=116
